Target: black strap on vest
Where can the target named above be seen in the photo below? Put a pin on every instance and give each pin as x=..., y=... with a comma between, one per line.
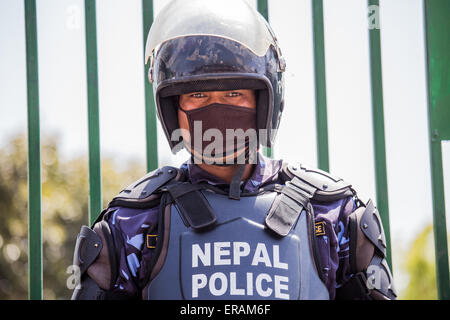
x=293, y=198
x=303, y=185
x=192, y=205
x=235, y=185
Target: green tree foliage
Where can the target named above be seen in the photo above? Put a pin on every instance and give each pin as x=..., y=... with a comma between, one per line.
x=421, y=268
x=64, y=210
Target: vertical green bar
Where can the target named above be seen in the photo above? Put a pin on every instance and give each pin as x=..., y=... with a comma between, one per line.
x=150, y=108
x=263, y=9
x=320, y=85
x=437, y=24
x=95, y=188
x=378, y=126
x=34, y=156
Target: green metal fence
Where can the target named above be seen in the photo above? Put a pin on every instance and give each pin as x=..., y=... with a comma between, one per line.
x=437, y=41
x=438, y=65
x=34, y=157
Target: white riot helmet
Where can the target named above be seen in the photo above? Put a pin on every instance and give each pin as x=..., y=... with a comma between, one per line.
x=215, y=45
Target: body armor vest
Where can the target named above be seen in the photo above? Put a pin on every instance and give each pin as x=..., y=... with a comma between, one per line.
x=212, y=246
x=238, y=257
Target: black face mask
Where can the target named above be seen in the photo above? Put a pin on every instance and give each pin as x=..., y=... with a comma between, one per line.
x=222, y=134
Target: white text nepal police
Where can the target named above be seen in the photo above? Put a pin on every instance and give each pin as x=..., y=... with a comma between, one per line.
x=231, y=254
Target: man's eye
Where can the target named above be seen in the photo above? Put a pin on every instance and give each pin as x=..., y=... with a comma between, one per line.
x=197, y=95
x=233, y=94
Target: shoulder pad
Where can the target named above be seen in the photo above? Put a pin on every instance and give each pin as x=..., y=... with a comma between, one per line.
x=372, y=227
x=327, y=187
x=87, y=248
x=141, y=192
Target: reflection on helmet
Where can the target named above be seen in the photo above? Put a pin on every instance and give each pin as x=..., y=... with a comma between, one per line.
x=215, y=45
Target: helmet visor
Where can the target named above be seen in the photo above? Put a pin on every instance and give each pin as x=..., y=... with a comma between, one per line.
x=232, y=19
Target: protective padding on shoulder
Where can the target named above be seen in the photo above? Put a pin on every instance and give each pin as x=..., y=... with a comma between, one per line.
x=87, y=248
x=103, y=270
x=327, y=187
x=372, y=227
x=141, y=193
x=94, y=254
x=367, y=235
x=361, y=249
x=367, y=257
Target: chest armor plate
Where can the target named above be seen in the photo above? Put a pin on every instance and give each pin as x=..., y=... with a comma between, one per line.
x=239, y=258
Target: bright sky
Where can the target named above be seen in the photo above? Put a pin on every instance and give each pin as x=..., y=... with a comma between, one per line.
x=120, y=61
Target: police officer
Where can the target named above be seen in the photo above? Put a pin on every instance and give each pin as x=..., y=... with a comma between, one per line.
x=229, y=223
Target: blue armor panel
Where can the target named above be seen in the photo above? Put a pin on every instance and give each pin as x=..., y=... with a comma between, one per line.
x=239, y=258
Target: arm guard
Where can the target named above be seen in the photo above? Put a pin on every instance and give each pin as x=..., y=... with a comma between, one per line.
x=96, y=258
x=372, y=279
